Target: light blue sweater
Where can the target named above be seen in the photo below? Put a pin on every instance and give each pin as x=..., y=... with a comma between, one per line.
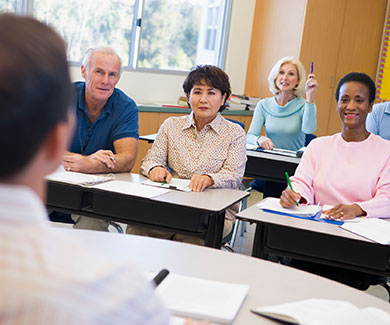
x=284, y=125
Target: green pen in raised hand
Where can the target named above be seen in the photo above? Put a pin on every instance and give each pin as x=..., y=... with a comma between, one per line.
x=289, y=184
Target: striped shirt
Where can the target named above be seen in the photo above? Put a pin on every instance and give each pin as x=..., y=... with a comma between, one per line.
x=51, y=278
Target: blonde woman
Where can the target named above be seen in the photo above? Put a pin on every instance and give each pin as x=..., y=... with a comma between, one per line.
x=287, y=116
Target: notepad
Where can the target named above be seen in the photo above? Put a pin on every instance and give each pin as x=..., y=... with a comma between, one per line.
x=324, y=312
x=197, y=298
x=87, y=180
x=272, y=204
x=377, y=230
x=178, y=184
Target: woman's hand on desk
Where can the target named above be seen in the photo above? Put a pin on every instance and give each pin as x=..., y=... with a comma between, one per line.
x=200, y=182
x=289, y=198
x=344, y=212
x=160, y=174
x=265, y=143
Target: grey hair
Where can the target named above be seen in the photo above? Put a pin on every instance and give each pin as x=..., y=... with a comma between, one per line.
x=300, y=89
x=100, y=49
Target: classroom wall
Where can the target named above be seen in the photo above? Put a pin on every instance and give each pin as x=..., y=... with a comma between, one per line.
x=145, y=87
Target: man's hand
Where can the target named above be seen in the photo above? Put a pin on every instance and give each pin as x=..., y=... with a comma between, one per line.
x=160, y=174
x=78, y=163
x=107, y=157
x=200, y=182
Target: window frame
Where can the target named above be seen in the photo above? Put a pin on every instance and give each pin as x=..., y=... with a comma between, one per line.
x=26, y=7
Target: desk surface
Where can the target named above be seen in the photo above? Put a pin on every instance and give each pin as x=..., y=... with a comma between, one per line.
x=317, y=242
x=269, y=283
x=214, y=200
x=199, y=214
x=269, y=167
x=254, y=214
x=271, y=156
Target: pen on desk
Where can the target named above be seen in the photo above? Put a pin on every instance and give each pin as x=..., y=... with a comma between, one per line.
x=289, y=184
x=311, y=67
x=160, y=277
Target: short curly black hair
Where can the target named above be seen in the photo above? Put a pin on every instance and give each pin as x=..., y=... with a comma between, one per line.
x=212, y=76
x=358, y=77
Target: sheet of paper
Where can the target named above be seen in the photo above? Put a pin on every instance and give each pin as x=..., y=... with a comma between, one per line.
x=202, y=299
x=377, y=230
x=175, y=184
x=63, y=176
x=272, y=204
x=135, y=189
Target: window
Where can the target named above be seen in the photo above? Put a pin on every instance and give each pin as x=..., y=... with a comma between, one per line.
x=9, y=5
x=148, y=34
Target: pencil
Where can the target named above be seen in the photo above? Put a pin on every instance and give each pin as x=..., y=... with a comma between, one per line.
x=289, y=184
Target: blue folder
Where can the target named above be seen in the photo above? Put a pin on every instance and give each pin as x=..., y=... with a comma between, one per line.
x=316, y=217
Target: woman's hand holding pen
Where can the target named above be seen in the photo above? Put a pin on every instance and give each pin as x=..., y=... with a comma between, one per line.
x=311, y=87
x=344, y=212
x=289, y=198
x=265, y=143
x=160, y=174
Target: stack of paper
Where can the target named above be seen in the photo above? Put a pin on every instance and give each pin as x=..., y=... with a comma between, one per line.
x=202, y=299
x=178, y=184
x=324, y=312
x=272, y=204
x=377, y=230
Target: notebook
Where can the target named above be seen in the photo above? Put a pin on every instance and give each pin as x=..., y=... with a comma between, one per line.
x=202, y=299
x=87, y=180
x=324, y=312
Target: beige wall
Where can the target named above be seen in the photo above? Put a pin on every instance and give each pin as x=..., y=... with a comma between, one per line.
x=166, y=88
x=339, y=36
x=277, y=32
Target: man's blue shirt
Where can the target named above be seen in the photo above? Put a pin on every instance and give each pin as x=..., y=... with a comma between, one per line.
x=118, y=119
x=378, y=121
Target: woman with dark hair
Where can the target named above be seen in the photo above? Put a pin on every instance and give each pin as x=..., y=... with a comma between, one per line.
x=349, y=170
x=202, y=146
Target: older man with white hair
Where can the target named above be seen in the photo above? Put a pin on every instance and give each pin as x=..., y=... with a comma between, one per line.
x=106, y=134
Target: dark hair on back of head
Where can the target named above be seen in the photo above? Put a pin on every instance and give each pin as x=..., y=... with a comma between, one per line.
x=358, y=77
x=211, y=76
x=35, y=89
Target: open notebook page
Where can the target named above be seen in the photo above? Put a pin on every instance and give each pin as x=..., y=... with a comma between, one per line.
x=324, y=312
x=197, y=298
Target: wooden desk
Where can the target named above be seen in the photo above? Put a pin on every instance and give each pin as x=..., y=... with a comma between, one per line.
x=269, y=167
x=269, y=283
x=199, y=214
x=313, y=241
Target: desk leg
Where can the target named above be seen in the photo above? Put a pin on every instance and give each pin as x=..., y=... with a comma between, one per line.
x=259, y=243
x=215, y=230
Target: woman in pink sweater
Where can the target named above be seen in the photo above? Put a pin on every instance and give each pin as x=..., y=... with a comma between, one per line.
x=349, y=170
